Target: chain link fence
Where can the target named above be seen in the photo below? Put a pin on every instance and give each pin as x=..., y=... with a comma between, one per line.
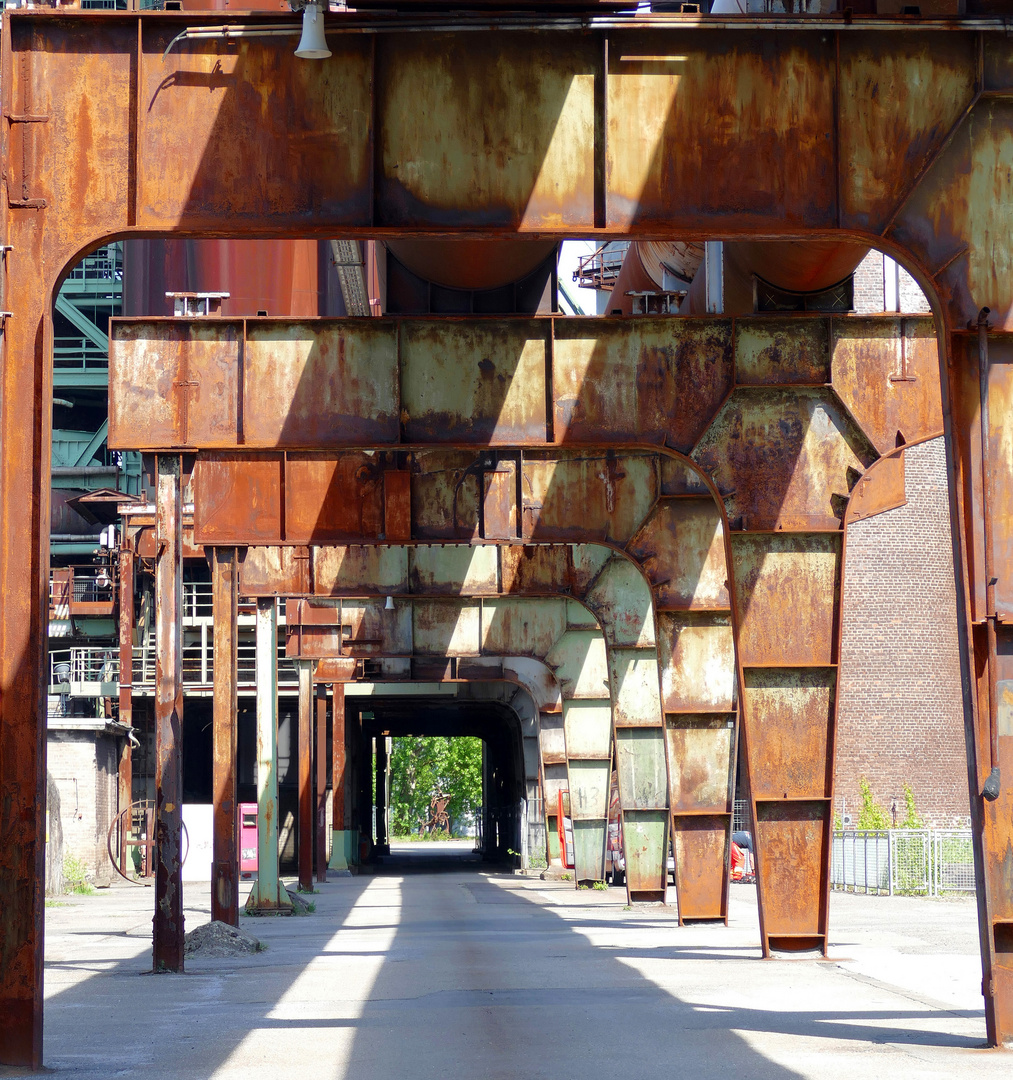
x=913, y=862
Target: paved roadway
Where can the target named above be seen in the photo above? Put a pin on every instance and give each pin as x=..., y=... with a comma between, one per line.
x=463, y=974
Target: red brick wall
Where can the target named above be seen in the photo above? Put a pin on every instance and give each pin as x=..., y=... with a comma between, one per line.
x=900, y=714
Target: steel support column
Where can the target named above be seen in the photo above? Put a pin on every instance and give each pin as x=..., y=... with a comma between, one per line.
x=167, y=945
x=126, y=710
x=268, y=893
x=305, y=669
x=320, y=760
x=382, y=846
x=341, y=840
x=225, y=863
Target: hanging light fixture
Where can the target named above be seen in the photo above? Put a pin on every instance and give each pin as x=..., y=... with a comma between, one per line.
x=389, y=606
x=313, y=44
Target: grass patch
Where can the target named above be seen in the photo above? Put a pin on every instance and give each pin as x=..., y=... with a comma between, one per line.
x=75, y=878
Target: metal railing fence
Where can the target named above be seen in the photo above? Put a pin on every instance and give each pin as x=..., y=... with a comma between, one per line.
x=913, y=862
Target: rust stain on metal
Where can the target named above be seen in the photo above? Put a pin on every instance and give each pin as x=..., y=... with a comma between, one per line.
x=701, y=848
x=698, y=662
x=787, y=594
x=681, y=548
x=700, y=753
x=880, y=489
x=784, y=458
x=656, y=381
x=474, y=382
x=886, y=371
x=788, y=714
x=320, y=383
x=792, y=834
x=792, y=350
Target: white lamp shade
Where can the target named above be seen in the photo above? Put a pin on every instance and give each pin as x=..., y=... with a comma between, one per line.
x=312, y=44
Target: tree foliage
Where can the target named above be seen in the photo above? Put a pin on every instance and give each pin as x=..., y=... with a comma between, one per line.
x=422, y=767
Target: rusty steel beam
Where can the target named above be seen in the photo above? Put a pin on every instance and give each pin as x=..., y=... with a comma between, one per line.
x=555, y=631
x=913, y=171
x=126, y=690
x=305, y=777
x=167, y=947
x=343, y=847
x=225, y=856
x=268, y=893
x=324, y=384
x=320, y=761
x=382, y=847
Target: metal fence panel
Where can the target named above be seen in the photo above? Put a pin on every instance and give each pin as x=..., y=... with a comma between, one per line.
x=860, y=861
x=915, y=862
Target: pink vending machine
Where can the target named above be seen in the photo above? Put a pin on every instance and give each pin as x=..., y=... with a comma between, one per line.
x=247, y=839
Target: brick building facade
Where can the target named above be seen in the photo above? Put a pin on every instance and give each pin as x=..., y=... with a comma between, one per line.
x=900, y=716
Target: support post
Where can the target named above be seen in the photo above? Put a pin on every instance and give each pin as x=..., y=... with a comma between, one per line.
x=320, y=760
x=126, y=692
x=382, y=846
x=167, y=938
x=341, y=840
x=305, y=668
x=224, y=859
x=268, y=894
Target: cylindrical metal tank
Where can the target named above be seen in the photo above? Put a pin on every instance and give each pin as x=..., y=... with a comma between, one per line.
x=471, y=264
x=799, y=266
x=644, y=270
x=281, y=277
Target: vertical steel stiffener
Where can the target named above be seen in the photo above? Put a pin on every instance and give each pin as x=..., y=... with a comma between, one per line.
x=341, y=839
x=268, y=893
x=225, y=861
x=320, y=762
x=305, y=780
x=167, y=945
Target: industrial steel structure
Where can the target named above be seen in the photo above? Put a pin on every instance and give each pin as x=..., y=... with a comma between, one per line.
x=674, y=492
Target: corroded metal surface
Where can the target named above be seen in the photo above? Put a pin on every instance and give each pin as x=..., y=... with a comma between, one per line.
x=903, y=137
x=167, y=943
x=225, y=857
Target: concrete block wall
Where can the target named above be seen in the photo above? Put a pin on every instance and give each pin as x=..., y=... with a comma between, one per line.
x=900, y=716
x=84, y=766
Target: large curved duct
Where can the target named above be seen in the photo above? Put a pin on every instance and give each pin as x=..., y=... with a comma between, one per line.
x=653, y=266
x=281, y=277
x=471, y=264
x=798, y=266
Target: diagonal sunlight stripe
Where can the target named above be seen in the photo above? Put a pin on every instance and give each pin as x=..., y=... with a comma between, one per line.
x=327, y=999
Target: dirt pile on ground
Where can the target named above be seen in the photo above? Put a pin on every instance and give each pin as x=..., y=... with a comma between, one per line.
x=220, y=939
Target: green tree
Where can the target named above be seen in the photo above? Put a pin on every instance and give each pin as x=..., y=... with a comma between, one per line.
x=421, y=767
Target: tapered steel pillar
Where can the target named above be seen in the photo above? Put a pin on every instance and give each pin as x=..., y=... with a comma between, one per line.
x=167, y=941
x=320, y=760
x=268, y=894
x=382, y=846
x=341, y=839
x=225, y=863
x=305, y=668
x=126, y=692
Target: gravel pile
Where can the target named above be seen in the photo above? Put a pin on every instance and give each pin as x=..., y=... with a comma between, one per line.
x=220, y=939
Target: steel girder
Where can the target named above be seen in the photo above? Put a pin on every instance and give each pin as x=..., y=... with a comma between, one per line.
x=896, y=136
x=780, y=415
x=554, y=631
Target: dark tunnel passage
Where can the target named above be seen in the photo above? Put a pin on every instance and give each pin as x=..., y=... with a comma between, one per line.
x=373, y=720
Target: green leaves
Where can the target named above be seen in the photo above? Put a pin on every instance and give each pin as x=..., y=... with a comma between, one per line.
x=423, y=767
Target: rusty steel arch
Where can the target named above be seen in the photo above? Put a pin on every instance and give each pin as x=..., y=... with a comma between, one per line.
x=862, y=165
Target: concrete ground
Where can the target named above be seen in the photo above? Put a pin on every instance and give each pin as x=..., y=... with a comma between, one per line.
x=415, y=973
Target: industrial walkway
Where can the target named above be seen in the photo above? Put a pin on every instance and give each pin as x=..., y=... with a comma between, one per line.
x=467, y=975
